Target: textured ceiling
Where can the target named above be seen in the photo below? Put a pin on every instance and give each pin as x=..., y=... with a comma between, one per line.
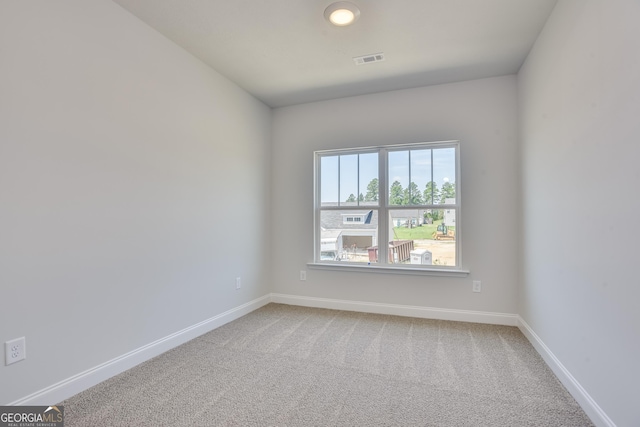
x=284, y=52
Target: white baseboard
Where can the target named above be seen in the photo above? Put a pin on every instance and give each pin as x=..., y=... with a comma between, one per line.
x=82, y=381
x=399, y=310
x=588, y=405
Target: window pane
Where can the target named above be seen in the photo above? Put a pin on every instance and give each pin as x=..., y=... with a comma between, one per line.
x=398, y=176
x=329, y=181
x=368, y=194
x=348, y=235
x=349, y=180
x=410, y=177
x=420, y=175
x=423, y=236
x=444, y=173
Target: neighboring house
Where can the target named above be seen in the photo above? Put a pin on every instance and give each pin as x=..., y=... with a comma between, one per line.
x=407, y=217
x=341, y=230
x=359, y=229
x=449, y=214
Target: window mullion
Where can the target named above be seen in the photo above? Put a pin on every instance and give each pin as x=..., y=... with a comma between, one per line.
x=431, y=178
x=339, y=167
x=383, y=213
x=409, y=188
x=358, y=182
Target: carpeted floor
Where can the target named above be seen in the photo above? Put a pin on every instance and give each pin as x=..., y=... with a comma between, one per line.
x=294, y=366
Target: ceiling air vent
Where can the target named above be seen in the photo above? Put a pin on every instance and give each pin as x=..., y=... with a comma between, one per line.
x=368, y=59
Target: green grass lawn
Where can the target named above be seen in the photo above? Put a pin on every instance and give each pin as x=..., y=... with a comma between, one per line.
x=423, y=232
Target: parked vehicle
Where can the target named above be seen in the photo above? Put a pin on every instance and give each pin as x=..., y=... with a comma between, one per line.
x=329, y=256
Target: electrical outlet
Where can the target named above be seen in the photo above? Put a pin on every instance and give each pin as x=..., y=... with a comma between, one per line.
x=477, y=286
x=238, y=283
x=303, y=275
x=14, y=351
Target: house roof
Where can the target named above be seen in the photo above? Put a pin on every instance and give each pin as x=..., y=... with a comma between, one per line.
x=334, y=220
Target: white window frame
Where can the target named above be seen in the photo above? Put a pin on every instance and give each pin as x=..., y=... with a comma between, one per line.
x=384, y=209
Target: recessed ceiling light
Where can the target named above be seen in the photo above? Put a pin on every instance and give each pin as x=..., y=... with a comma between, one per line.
x=342, y=13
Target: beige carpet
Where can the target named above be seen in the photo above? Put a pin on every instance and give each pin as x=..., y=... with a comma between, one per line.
x=293, y=366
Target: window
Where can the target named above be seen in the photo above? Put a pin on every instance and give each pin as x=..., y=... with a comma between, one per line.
x=349, y=219
x=406, y=195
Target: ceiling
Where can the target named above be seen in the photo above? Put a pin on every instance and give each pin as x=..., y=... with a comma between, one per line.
x=284, y=52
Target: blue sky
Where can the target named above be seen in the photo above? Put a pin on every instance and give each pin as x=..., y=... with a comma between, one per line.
x=402, y=163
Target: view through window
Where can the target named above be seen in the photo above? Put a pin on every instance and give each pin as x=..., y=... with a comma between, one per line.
x=404, y=195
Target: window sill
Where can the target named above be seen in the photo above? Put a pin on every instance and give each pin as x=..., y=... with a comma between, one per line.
x=388, y=269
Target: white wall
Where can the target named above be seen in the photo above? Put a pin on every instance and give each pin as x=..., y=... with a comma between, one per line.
x=481, y=114
x=134, y=188
x=579, y=96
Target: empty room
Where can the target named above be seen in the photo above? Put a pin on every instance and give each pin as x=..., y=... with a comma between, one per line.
x=194, y=197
